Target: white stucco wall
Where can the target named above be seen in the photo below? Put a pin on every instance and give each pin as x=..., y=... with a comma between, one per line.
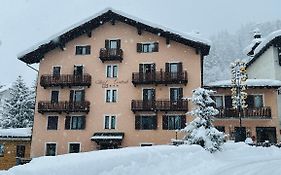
x=263, y=67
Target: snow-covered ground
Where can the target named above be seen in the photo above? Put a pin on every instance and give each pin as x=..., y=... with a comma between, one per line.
x=236, y=158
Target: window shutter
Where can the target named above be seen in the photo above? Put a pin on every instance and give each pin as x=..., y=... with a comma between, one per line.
x=180, y=67
x=137, y=122
x=67, y=122
x=153, y=67
x=250, y=101
x=228, y=101
x=167, y=65
x=156, y=47
x=83, y=95
x=106, y=43
x=118, y=43
x=154, y=122
x=71, y=96
x=139, y=46
x=83, y=122
x=180, y=93
x=75, y=70
x=140, y=68
x=183, y=121
x=164, y=122
x=88, y=50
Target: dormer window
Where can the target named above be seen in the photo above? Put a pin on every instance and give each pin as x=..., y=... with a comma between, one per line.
x=83, y=50
x=148, y=47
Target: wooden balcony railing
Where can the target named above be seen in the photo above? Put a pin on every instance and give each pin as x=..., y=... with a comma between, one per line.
x=159, y=77
x=159, y=105
x=63, y=106
x=66, y=80
x=250, y=113
x=107, y=54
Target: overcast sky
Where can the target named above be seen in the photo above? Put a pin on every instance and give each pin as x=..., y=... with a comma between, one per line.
x=23, y=23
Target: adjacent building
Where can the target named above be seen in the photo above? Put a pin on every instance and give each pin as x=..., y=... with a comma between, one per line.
x=113, y=81
x=14, y=147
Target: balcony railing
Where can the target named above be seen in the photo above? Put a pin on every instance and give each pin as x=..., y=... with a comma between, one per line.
x=250, y=113
x=63, y=106
x=160, y=77
x=67, y=80
x=107, y=54
x=159, y=105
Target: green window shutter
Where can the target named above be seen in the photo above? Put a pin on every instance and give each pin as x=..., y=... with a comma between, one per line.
x=106, y=43
x=67, y=122
x=156, y=47
x=139, y=47
x=165, y=122
x=118, y=43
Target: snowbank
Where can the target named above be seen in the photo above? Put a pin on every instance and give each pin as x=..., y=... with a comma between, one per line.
x=236, y=158
x=15, y=132
x=249, y=82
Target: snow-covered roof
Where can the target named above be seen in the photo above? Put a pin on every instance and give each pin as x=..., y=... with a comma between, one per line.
x=267, y=83
x=106, y=137
x=55, y=39
x=15, y=133
x=249, y=50
x=265, y=44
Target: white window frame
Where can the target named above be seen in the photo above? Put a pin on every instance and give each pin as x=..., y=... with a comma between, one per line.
x=175, y=87
x=51, y=143
x=70, y=124
x=110, y=117
x=111, y=74
x=223, y=100
x=147, y=88
x=74, y=143
x=83, y=45
x=111, y=97
x=58, y=94
x=52, y=70
x=80, y=65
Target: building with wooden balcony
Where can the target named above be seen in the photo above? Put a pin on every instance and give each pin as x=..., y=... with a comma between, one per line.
x=113, y=81
x=259, y=119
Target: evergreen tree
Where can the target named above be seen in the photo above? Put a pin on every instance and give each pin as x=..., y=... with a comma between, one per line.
x=201, y=130
x=18, y=111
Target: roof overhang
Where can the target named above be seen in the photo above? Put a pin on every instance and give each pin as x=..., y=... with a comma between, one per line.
x=35, y=54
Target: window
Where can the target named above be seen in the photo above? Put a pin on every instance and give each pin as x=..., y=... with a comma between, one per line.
x=52, y=123
x=113, y=44
x=51, y=149
x=148, y=47
x=74, y=148
x=75, y=122
x=146, y=122
x=173, y=67
x=20, y=151
x=111, y=95
x=176, y=94
x=218, y=101
x=83, y=50
x=173, y=122
x=56, y=71
x=109, y=122
x=254, y=101
x=54, y=96
x=111, y=71
x=78, y=70
x=1, y=150
x=77, y=96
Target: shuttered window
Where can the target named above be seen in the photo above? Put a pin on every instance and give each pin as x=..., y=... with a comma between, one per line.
x=173, y=122
x=148, y=47
x=146, y=122
x=75, y=122
x=83, y=50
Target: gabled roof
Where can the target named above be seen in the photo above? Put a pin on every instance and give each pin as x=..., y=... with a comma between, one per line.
x=36, y=53
x=272, y=39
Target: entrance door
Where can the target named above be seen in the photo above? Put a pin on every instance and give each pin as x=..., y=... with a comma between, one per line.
x=266, y=133
x=78, y=71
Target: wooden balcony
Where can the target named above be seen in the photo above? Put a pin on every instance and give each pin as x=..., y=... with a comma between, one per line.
x=160, y=77
x=159, y=105
x=63, y=106
x=249, y=113
x=67, y=80
x=107, y=54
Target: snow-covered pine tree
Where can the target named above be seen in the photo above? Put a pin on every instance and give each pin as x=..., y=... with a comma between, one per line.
x=201, y=130
x=18, y=110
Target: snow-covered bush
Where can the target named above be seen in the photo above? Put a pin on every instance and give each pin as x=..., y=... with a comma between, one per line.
x=201, y=130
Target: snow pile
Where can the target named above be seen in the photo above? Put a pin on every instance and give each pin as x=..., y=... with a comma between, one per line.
x=236, y=158
x=249, y=82
x=266, y=40
x=15, y=132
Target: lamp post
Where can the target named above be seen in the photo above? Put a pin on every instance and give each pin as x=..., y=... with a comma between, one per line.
x=239, y=77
